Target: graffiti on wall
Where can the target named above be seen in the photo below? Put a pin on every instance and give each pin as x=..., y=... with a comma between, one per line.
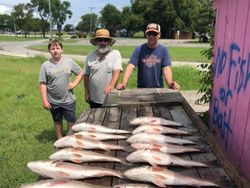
x=229, y=65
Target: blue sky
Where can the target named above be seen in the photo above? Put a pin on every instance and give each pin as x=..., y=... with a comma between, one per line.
x=78, y=7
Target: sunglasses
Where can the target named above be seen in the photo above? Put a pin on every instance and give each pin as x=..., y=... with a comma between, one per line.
x=154, y=34
x=102, y=40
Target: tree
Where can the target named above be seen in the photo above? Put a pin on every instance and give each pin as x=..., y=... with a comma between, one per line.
x=186, y=11
x=111, y=18
x=158, y=11
x=68, y=27
x=6, y=22
x=205, y=17
x=36, y=24
x=41, y=7
x=23, y=16
x=88, y=23
x=131, y=22
x=60, y=12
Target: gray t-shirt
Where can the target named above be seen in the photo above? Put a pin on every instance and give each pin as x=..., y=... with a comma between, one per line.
x=57, y=78
x=100, y=73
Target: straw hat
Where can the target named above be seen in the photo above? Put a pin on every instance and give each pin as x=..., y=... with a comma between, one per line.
x=102, y=33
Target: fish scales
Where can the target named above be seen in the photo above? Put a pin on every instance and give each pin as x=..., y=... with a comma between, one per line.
x=65, y=170
x=164, y=177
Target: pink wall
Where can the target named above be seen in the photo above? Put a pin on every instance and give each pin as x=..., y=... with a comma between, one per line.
x=230, y=104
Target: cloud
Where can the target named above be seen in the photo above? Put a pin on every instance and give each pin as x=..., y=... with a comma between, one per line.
x=4, y=9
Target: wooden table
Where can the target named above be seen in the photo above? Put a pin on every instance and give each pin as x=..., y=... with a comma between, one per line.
x=122, y=106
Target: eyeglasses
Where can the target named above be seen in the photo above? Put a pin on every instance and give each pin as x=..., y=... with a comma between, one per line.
x=103, y=40
x=154, y=34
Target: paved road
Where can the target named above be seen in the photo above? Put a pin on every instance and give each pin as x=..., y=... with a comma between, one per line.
x=20, y=49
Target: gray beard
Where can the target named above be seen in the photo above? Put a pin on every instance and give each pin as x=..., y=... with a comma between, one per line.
x=103, y=50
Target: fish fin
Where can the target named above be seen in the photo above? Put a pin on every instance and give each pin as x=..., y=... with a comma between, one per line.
x=157, y=168
x=157, y=130
x=63, y=174
x=91, y=129
x=127, y=149
x=159, y=181
x=79, y=143
x=75, y=149
x=78, y=136
x=123, y=161
x=155, y=149
x=76, y=158
x=92, y=136
x=157, y=158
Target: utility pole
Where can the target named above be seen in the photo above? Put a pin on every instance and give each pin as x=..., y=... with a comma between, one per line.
x=91, y=17
x=50, y=21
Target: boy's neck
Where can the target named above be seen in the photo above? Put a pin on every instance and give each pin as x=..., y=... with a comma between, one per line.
x=56, y=60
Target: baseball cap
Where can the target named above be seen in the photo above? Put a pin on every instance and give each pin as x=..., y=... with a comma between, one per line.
x=153, y=27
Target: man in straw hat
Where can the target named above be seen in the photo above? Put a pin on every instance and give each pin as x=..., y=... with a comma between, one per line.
x=152, y=60
x=102, y=69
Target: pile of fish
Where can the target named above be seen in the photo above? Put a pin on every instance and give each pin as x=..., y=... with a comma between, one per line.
x=151, y=142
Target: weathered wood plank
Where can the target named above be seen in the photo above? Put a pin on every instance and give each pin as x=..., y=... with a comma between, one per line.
x=216, y=172
x=141, y=96
x=127, y=113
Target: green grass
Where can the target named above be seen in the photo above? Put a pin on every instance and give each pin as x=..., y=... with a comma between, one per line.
x=27, y=132
x=176, y=53
x=19, y=38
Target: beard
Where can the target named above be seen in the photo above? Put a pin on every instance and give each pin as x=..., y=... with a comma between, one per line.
x=103, y=50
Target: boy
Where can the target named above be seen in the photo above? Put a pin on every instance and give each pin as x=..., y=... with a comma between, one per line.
x=56, y=87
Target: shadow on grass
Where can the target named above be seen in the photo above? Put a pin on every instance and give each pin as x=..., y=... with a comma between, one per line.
x=46, y=136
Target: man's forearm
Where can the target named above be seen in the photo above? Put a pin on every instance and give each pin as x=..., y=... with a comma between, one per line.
x=127, y=74
x=115, y=77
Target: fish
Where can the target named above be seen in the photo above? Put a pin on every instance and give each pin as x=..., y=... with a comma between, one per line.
x=158, y=129
x=158, y=158
x=157, y=138
x=78, y=141
x=133, y=185
x=163, y=177
x=153, y=121
x=100, y=136
x=60, y=183
x=165, y=147
x=65, y=170
x=97, y=128
x=79, y=156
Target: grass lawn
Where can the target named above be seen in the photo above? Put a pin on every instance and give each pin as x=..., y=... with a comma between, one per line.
x=27, y=132
x=19, y=38
x=176, y=53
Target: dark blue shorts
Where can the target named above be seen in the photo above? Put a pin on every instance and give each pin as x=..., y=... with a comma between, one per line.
x=66, y=111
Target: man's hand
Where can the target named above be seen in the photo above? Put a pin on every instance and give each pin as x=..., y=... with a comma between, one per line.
x=87, y=97
x=121, y=86
x=174, y=86
x=108, y=89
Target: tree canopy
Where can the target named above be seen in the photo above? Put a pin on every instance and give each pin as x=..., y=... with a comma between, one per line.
x=172, y=15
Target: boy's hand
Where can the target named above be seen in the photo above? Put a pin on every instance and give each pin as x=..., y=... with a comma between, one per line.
x=46, y=105
x=71, y=85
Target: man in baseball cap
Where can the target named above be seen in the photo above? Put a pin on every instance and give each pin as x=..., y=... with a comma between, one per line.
x=153, y=63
